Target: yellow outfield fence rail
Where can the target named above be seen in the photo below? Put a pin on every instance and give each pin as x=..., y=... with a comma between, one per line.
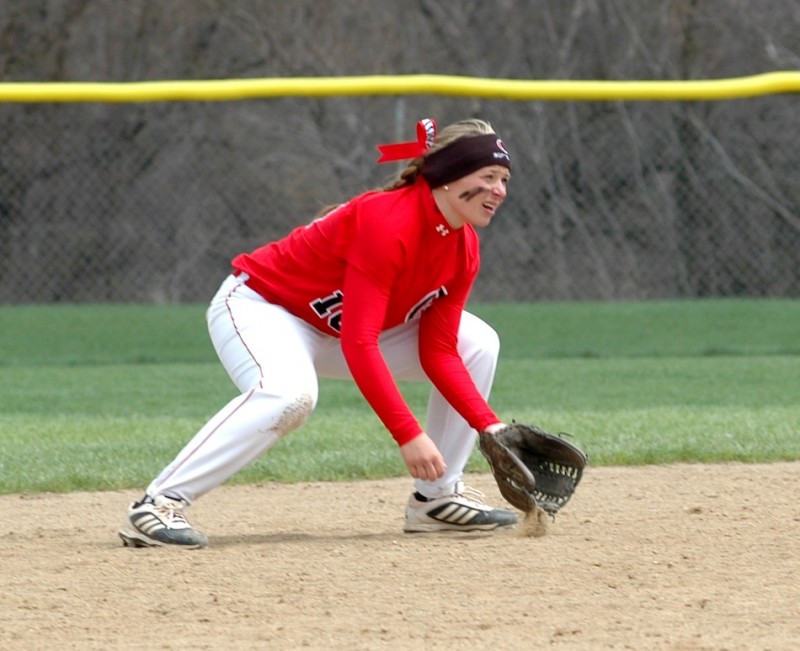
x=620, y=190
x=770, y=83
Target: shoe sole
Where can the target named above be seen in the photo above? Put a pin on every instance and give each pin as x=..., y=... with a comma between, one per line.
x=434, y=527
x=131, y=539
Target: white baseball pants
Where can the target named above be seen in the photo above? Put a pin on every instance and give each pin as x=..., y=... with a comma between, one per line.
x=275, y=359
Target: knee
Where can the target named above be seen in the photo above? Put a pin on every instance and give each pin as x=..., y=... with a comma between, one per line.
x=479, y=341
x=295, y=411
x=281, y=413
x=490, y=342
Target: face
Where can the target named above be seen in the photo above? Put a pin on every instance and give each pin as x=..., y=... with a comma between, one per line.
x=473, y=199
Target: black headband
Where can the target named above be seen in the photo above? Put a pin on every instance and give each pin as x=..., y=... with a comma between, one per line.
x=462, y=157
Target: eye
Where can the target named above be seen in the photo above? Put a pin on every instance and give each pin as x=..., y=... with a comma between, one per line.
x=491, y=178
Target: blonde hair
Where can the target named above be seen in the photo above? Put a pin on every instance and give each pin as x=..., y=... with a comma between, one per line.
x=447, y=136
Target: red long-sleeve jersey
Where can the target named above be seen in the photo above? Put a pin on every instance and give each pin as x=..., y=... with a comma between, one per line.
x=382, y=259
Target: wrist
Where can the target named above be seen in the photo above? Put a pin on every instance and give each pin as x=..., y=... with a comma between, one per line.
x=401, y=441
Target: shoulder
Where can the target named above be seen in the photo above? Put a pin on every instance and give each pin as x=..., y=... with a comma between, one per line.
x=471, y=240
x=394, y=210
x=472, y=247
x=386, y=198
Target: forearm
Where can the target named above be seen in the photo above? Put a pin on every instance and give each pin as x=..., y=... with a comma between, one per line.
x=374, y=380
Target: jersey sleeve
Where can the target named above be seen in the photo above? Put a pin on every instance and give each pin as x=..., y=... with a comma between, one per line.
x=364, y=307
x=376, y=257
x=438, y=351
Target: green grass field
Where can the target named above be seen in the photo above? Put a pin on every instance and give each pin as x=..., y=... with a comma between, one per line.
x=101, y=397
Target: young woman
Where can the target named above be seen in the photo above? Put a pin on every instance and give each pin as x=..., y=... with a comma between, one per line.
x=374, y=290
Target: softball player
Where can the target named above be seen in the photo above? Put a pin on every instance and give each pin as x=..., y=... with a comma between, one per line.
x=375, y=291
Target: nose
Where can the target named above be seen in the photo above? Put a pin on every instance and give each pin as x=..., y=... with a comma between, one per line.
x=499, y=189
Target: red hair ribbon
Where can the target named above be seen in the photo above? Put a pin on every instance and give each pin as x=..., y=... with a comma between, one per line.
x=426, y=133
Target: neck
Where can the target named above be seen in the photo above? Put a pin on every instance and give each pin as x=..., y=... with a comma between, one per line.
x=442, y=199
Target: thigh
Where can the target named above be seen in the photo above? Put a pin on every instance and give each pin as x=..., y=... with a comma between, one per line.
x=261, y=345
x=400, y=349
x=476, y=338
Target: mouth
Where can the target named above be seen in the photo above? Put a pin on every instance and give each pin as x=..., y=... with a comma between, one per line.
x=490, y=207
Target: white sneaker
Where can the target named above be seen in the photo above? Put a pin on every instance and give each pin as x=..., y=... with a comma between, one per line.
x=464, y=510
x=160, y=522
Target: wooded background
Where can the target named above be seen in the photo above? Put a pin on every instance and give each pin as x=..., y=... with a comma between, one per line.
x=608, y=200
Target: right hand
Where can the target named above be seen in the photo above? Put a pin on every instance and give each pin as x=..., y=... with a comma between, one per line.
x=423, y=459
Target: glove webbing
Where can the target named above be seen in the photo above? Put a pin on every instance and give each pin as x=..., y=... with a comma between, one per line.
x=560, y=478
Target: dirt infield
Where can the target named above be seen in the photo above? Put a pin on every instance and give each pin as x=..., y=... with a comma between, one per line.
x=679, y=557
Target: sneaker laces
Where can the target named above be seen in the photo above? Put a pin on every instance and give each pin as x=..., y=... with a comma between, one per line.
x=469, y=493
x=172, y=512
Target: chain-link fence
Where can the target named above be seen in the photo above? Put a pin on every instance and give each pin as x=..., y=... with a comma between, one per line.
x=608, y=200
